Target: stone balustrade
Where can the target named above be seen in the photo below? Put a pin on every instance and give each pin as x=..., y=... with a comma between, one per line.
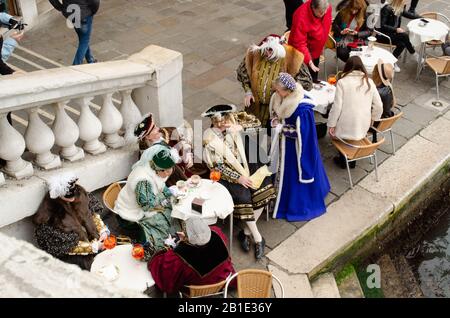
x=63, y=115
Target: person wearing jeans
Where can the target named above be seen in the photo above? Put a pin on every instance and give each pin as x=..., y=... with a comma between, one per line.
x=84, y=37
x=82, y=22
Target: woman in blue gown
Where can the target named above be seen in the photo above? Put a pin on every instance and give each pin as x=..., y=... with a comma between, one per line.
x=301, y=178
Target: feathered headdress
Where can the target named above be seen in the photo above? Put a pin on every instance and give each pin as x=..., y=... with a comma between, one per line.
x=60, y=185
x=273, y=42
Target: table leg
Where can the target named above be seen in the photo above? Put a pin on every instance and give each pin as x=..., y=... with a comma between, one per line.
x=419, y=63
x=231, y=233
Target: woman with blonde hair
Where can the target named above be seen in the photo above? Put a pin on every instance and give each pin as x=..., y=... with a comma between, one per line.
x=390, y=22
x=356, y=104
x=349, y=27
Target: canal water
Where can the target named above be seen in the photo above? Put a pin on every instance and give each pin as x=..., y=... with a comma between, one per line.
x=430, y=258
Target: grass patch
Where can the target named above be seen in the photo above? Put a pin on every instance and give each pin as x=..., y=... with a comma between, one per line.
x=344, y=273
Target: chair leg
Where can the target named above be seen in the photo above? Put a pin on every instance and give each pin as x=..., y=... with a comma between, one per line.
x=392, y=141
x=437, y=86
x=376, y=165
x=349, y=174
x=231, y=233
x=267, y=213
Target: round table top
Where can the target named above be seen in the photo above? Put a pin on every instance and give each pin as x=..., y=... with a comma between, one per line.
x=433, y=30
x=323, y=95
x=218, y=202
x=132, y=274
x=370, y=58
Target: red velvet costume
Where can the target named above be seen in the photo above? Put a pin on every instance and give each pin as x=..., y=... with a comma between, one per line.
x=308, y=33
x=192, y=265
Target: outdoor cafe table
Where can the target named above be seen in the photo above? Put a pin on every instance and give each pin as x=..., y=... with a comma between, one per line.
x=370, y=57
x=132, y=274
x=322, y=95
x=420, y=34
x=218, y=204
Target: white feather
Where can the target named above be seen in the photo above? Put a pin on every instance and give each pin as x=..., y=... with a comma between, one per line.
x=58, y=185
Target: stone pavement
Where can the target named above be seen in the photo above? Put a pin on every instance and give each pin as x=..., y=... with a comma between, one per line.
x=213, y=35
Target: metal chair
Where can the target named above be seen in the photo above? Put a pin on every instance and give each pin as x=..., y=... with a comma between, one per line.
x=440, y=67
x=331, y=45
x=201, y=291
x=357, y=150
x=385, y=125
x=254, y=283
x=390, y=45
x=435, y=16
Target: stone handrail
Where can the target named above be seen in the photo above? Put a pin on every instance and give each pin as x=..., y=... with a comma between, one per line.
x=151, y=77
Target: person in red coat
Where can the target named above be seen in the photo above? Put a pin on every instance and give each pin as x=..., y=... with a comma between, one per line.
x=309, y=33
x=201, y=258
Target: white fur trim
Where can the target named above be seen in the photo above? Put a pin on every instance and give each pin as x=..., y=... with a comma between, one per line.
x=298, y=145
x=58, y=185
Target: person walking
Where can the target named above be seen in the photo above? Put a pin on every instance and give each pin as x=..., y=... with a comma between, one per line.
x=290, y=7
x=81, y=14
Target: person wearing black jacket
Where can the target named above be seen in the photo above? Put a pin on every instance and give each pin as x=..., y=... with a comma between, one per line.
x=291, y=6
x=82, y=24
x=390, y=21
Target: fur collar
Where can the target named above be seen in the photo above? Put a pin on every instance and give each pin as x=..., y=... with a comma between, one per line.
x=284, y=108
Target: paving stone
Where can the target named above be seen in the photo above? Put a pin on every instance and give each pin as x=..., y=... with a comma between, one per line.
x=325, y=287
x=318, y=241
x=406, y=128
x=387, y=145
x=439, y=133
x=209, y=77
x=350, y=287
x=426, y=101
x=275, y=231
x=405, y=171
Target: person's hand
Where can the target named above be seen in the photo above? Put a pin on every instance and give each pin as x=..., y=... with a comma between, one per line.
x=248, y=99
x=345, y=31
x=246, y=182
x=353, y=32
x=18, y=36
x=313, y=67
x=400, y=30
x=332, y=132
x=182, y=236
x=189, y=160
x=274, y=122
x=103, y=236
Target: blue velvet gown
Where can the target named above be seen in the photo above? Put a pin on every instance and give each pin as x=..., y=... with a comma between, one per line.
x=302, y=180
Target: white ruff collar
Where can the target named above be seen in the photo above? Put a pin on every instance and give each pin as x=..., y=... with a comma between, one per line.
x=284, y=108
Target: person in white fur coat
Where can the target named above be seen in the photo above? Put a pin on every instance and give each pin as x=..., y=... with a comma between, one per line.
x=357, y=104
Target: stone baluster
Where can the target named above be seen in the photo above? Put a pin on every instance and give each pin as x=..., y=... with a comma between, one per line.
x=12, y=146
x=90, y=127
x=130, y=113
x=2, y=179
x=111, y=120
x=39, y=139
x=66, y=134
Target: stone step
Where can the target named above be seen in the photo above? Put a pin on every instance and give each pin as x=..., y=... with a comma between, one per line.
x=409, y=280
x=295, y=286
x=325, y=287
x=349, y=286
x=391, y=282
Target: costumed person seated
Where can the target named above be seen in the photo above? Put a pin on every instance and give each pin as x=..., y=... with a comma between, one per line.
x=200, y=258
x=148, y=134
x=302, y=182
x=224, y=151
x=349, y=27
x=67, y=226
x=146, y=200
x=261, y=65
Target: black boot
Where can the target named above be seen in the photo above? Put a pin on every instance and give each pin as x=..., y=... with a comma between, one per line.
x=244, y=240
x=259, y=248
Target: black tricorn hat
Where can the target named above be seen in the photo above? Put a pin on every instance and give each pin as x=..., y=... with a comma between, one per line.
x=217, y=110
x=144, y=127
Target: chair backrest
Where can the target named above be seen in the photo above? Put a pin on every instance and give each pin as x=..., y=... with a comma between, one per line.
x=447, y=67
x=357, y=149
x=436, y=16
x=254, y=283
x=386, y=123
x=331, y=42
x=110, y=195
x=197, y=291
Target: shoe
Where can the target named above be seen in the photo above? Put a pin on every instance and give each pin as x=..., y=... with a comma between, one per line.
x=341, y=163
x=259, y=249
x=244, y=240
x=396, y=68
x=412, y=14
